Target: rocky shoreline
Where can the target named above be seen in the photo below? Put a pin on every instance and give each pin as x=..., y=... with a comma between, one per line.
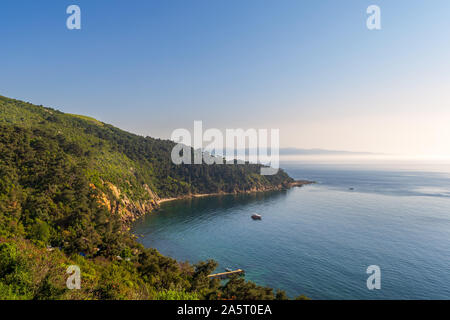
x=297, y=183
x=130, y=210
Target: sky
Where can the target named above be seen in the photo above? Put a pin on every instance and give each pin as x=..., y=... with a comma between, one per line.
x=311, y=69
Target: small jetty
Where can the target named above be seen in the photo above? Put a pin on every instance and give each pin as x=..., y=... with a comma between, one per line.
x=224, y=275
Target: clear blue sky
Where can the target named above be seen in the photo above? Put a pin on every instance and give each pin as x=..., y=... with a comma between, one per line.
x=310, y=68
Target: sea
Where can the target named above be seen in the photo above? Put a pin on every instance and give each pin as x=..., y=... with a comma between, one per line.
x=319, y=240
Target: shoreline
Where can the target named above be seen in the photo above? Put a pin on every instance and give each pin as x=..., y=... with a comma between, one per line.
x=298, y=183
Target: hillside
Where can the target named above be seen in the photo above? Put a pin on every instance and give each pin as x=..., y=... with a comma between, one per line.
x=131, y=171
x=68, y=186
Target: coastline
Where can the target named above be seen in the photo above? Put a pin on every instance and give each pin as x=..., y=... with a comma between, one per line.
x=297, y=183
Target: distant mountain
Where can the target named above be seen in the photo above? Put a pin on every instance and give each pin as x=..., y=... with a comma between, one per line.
x=296, y=151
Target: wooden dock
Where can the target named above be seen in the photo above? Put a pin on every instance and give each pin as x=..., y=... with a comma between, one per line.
x=224, y=275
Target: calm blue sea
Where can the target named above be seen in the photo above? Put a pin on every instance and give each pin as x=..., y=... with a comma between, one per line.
x=318, y=240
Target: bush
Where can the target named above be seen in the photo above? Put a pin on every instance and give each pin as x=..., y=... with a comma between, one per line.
x=40, y=231
x=15, y=277
x=176, y=295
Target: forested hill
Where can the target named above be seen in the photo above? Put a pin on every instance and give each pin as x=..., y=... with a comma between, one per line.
x=67, y=185
x=132, y=172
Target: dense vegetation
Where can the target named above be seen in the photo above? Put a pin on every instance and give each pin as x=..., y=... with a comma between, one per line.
x=53, y=169
x=129, y=161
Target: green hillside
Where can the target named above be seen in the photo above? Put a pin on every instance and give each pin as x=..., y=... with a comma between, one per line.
x=124, y=165
x=68, y=187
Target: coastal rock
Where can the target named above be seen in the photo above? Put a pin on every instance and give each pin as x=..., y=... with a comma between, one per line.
x=129, y=210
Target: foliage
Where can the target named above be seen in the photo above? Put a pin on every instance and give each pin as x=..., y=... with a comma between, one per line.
x=54, y=168
x=176, y=295
x=239, y=289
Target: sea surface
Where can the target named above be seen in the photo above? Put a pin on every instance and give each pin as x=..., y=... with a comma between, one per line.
x=318, y=240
